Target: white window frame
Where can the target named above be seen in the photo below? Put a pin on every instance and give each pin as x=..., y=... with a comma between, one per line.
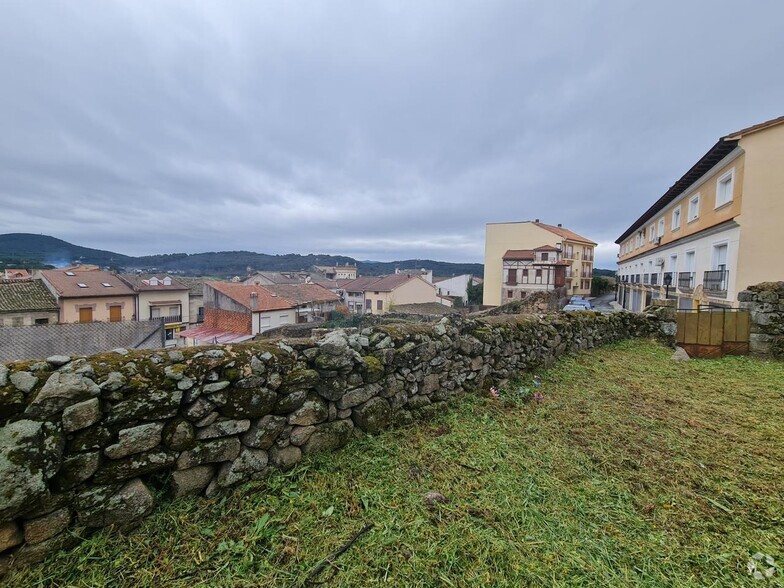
x=695, y=199
x=660, y=231
x=676, y=225
x=716, y=245
x=727, y=177
x=652, y=231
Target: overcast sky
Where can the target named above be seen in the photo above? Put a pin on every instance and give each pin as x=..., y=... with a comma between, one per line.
x=380, y=130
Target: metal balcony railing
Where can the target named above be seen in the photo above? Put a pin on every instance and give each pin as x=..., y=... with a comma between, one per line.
x=646, y=279
x=654, y=279
x=172, y=318
x=686, y=280
x=715, y=280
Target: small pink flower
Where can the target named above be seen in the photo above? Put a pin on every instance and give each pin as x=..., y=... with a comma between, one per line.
x=494, y=393
x=539, y=396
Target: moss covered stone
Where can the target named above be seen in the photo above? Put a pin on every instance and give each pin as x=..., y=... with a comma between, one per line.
x=329, y=436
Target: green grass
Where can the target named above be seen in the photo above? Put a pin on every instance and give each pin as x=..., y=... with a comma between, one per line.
x=633, y=470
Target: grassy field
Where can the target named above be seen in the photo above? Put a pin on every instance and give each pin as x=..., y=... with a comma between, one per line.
x=632, y=470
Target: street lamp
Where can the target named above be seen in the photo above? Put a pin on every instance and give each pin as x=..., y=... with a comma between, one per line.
x=667, y=283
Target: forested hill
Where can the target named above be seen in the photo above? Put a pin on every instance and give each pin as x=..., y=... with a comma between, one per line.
x=29, y=250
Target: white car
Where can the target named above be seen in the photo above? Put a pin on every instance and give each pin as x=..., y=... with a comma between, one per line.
x=571, y=307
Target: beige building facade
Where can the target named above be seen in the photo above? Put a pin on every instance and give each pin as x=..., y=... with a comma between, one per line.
x=576, y=251
x=382, y=294
x=86, y=296
x=714, y=232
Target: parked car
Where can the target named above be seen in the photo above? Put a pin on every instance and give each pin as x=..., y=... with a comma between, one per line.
x=571, y=307
x=580, y=301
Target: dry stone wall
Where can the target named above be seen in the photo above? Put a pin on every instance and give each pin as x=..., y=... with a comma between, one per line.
x=765, y=303
x=84, y=440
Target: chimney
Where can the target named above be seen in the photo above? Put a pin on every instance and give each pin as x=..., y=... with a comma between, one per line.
x=254, y=301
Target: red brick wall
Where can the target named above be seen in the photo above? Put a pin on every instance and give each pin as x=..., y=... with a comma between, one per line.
x=227, y=320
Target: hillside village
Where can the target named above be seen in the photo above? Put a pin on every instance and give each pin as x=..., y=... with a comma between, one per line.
x=400, y=294
x=179, y=311
x=696, y=246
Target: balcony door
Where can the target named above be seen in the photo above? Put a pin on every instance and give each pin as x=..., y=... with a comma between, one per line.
x=720, y=257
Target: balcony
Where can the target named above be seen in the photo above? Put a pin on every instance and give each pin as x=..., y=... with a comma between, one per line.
x=654, y=279
x=168, y=320
x=715, y=282
x=646, y=279
x=686, y=280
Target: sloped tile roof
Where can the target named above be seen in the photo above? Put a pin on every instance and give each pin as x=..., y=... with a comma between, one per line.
x=195, y=285
x=359, y=284
x=390, y=282
x=68, y=286
x=299, y=294
x=519, y=254
x=564, y=233
x=141, y=283
x=26, y=296
x=241, y=293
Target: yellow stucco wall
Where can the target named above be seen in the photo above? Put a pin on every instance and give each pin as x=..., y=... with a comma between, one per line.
x=500, y=237
x=69, y=308
x=414, y=291
x=762, y=217
x=148, y=299
x=709, y=215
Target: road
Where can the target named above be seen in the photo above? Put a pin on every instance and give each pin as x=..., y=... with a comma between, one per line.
x=602, y=303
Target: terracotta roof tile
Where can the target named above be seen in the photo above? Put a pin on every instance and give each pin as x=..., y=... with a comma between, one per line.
x=380, y=283
x=277, y=297
x=299, y=294
x=520, y=254
x=564, y=233
x=141, y=283
x=241, y=293
x=754, y=128
x=67, y=286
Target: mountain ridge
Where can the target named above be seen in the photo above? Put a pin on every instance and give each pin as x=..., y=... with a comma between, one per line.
x=37, y=250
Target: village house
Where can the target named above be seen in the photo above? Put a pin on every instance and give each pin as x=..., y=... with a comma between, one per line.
x=85, y=296
x=161, y=297
x=715, y=231
x=195, y=298
x=264, y=278
x=237, y=312
x=558, y=257
x=337, y=272
x=26, y=302
x=380, y=294
x=527, y=270
x=15, y=274
x=456, y=286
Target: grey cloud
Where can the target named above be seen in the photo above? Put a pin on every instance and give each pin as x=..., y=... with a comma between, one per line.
x=374, y=129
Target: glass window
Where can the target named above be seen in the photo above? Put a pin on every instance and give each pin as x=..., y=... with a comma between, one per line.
x=724, y=188
x=694, y=207
x=676, y=218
